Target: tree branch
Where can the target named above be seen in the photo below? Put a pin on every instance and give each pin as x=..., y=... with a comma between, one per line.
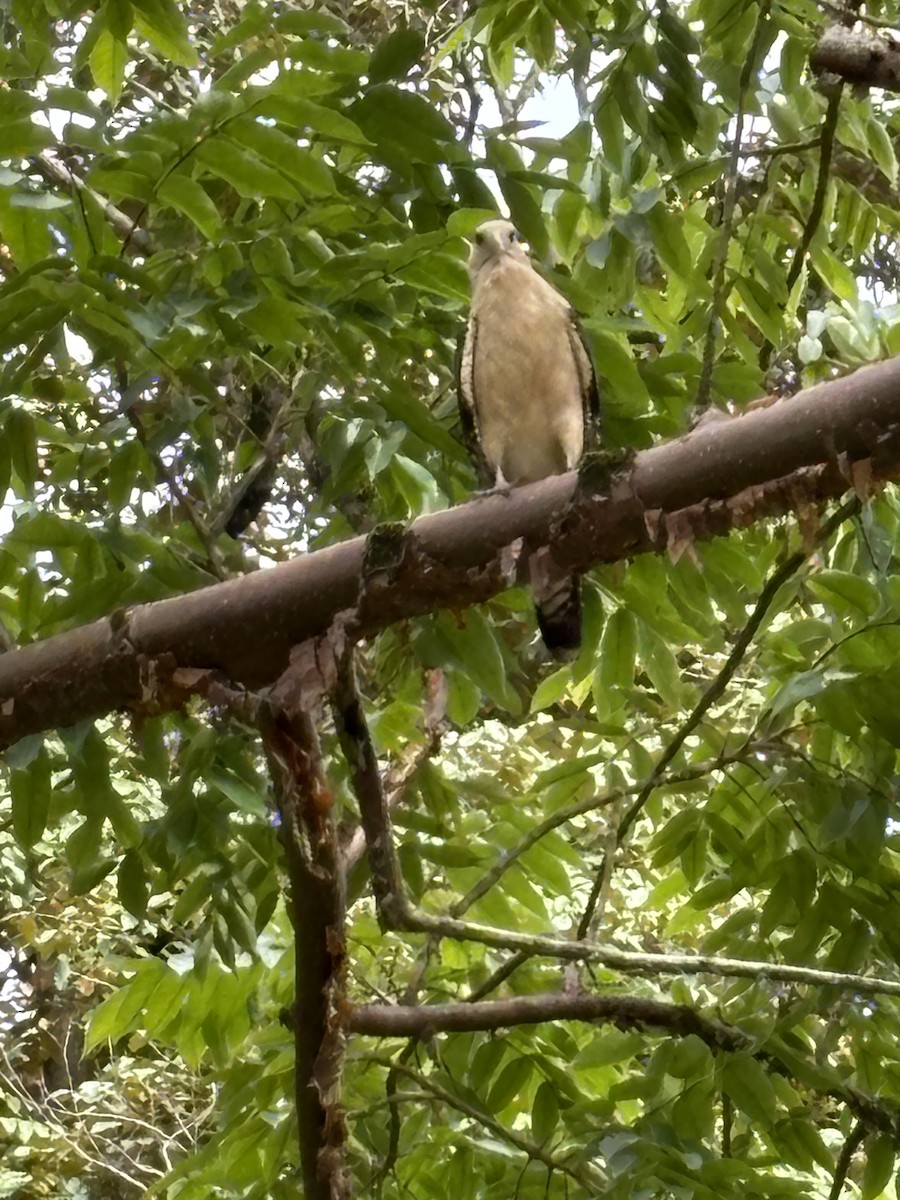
x=637, y=962
x=829, y=128
x=625, y=1012
x=60, y=175
x=356, y=744
x=722, y=474
x=849, y=1148
x=858, y=57
x=396, y=784
x=715, y=689
x=317, y=912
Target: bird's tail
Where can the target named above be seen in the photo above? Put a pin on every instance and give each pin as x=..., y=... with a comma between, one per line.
x=557, y=601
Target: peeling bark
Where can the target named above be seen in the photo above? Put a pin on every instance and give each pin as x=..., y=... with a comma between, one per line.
x=316, y=886
x=722, y=475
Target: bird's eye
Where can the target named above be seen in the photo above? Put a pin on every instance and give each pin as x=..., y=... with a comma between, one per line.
x=479, y=238
x=513, y=235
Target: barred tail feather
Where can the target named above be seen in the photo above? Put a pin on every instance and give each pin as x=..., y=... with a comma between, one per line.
x=559, y=620
x=557, y=600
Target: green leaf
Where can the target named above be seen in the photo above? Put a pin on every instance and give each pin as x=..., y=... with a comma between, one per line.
x=73, y=100
x=551, y=689
x=122, y=1012
x=302, y=22
x=299, y=113
x=853, y=590
x=40, y=201
x=609, y=125
x=836, y=274
x=247, y=173
x=164, y=24
x=299, y=165
x=21, y=139
x=124, y=469
x=48, y=530
x=524, y=208
x=544, y=1113
x=747, y=1083
x=22, y=441
x=30, y=789
x=614, y=363
x=191, y=198
x=108, y=60
x=192, y=899
x=761, y=308
x=5, y=465
x=608, y=1046
x=614, y=676
x=132, y=885
x=401, y=122
x=510, y=1083
x=473, y=644
x=879, y=1165
x=669, y=240
x=401, y=406
x=442, y=274
x=882, y=148
x=393, y=58
x=242, y=795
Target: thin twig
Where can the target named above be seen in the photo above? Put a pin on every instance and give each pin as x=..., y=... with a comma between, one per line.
x=578, y=808
x=61, y=175
x=474, y=96
x=829, y=127
x=704, y=387
x=840, y=11
x=500, y=976
x=43, y=1114
x=396, y=786
x=849, y=1148
x=359, y=751
x=716, y=689
x=727, y=1118
x=165, y=474
x=587, y=1176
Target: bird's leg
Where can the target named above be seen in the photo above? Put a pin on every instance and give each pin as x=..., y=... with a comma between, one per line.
x=500, y=486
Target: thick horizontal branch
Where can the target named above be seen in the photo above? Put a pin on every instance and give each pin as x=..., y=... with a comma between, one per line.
x=626, y=1012
x=720, y=475
x=859, y=57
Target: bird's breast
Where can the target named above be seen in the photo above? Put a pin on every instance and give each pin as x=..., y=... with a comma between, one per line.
x=527, y=388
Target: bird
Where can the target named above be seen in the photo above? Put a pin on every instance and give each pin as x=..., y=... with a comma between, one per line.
x=527, y=396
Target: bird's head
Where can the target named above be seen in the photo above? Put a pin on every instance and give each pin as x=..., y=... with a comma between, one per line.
x=493, y=241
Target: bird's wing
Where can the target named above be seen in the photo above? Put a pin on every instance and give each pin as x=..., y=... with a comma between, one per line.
x=465, y=395
x=587, y=379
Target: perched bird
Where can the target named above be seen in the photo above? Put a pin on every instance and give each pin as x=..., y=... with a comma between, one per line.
x=527, y=393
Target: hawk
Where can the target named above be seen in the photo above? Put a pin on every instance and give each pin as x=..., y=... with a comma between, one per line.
x=527, y=396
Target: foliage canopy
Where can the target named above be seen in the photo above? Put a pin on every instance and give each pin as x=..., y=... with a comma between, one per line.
x=232, y=266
